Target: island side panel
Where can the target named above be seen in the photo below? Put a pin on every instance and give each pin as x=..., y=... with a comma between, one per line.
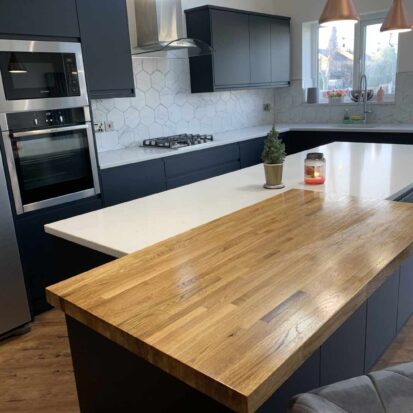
x=110, y=378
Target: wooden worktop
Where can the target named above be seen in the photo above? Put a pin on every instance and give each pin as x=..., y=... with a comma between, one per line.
x=235, y=306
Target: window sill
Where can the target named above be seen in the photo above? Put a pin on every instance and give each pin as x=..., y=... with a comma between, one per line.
x=351, y=104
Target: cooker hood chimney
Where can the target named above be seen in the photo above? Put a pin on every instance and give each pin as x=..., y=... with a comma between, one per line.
x=157, y=26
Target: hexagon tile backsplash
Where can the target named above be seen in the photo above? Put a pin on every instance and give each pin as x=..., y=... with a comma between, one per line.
x=165, y=106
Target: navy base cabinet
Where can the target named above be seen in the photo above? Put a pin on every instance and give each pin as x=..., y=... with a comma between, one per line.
x=306, y=378
x=250, y=152
x=198, y=165
x=405, y=309
x=128, y=182
x=44, y=258
x=342, y=355
x=381, y=319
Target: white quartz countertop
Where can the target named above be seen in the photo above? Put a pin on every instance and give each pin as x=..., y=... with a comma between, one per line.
x=375, y=171
x=110, y=159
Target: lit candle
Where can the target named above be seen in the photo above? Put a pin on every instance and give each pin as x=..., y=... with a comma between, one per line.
x=314, y=169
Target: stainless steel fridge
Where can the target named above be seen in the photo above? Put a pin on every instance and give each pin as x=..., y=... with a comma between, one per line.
x=14, y=307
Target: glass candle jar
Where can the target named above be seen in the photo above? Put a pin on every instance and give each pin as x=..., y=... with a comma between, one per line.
x=315, y=169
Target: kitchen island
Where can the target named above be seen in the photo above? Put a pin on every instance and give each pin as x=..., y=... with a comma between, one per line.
x=256, y=288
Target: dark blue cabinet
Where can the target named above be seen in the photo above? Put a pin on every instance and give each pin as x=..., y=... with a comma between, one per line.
x=342, y=355
x=250, y=49
x=49, y=18
x=128, y=182
x=381, y=319
x=306, y=378
x=106, y=48
x=405, y=309
x=250, y=152
x=203, y=164
x=43, y=261
x=231, y=45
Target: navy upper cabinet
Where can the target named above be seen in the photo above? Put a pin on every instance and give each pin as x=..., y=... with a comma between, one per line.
x=260, y=49
x=106, y=48
x=250, y=49
x=55, y=18
x=231, y=45
x=280, y=51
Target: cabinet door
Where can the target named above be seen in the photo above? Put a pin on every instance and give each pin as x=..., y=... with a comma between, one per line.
x=106, y=48
x=54, y=18
x=405, y=293
x=306, y=378
x=260, y=49
x=381, y=319
x=125, y=183
x=231, y=42
x=280, y=51
x=250, y=152
x=202, y=174
x=43, y=265
x=202, y=164
x=342, y=355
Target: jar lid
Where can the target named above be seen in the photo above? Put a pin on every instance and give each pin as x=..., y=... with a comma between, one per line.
x=315, y=156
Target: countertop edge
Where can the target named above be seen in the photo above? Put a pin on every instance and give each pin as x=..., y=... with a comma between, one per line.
x=239, y=402
x=282, y=128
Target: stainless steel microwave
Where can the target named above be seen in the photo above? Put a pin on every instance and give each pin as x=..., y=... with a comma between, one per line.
x=39, y=75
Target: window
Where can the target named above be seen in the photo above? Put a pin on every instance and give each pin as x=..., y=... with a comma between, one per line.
x=342, y=53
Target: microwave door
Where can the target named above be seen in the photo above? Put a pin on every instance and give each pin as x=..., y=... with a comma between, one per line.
x=41, y=75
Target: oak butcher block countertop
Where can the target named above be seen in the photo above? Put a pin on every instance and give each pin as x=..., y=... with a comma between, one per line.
x=235, y=306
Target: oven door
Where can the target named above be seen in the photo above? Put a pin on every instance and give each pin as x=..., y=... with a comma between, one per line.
x=52, y=166
x=41, y=75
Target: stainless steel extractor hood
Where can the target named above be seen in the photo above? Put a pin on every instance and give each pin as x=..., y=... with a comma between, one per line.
x=157, y=26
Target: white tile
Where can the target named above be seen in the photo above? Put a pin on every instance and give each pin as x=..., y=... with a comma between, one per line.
x=138, y=101
x=147, y=116
x=122, y=104
x=155, y=130
x=161, y=115
x=143, y=81
x=162, y=64
x=142, y=133
x=132, y=118
x=175, y=113
x=149, y=64
x=187, y=112
x=116, y=116
x=152, y=98
x=158, y=81
x=180, y=99
x=167, y=97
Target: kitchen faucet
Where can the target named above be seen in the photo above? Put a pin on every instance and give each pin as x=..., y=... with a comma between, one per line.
x=364, y=95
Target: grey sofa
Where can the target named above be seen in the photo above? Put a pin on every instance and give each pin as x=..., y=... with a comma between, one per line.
x=385, y=391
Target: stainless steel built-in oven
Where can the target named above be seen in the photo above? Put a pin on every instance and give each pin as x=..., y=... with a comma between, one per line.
x=50, y=156
x=39, y=75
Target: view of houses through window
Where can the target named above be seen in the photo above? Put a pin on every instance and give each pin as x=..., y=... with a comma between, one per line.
x=345, y=52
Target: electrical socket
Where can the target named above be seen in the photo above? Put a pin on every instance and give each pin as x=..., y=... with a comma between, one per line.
x=267, y=107
x=99, y=127
x=109, y=126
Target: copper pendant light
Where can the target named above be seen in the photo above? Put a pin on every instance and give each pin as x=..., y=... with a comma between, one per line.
x=398, y=19
x=339, y=11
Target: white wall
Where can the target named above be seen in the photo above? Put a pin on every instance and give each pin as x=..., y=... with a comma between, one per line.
x=309, y=10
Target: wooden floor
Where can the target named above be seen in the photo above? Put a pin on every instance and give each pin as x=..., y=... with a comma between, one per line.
x=36, y=372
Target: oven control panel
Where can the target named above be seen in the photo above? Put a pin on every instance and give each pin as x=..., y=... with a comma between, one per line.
x=45, y=119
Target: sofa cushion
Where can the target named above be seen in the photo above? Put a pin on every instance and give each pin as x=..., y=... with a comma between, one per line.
x=385, y=391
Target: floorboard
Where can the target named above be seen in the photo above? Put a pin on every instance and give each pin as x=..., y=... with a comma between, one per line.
x=36, y=372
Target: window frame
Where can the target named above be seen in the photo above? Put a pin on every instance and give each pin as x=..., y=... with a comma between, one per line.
x=360, y=33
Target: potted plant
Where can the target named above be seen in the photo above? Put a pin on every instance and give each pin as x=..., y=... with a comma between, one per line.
x=336, y=95
x=273, y=157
